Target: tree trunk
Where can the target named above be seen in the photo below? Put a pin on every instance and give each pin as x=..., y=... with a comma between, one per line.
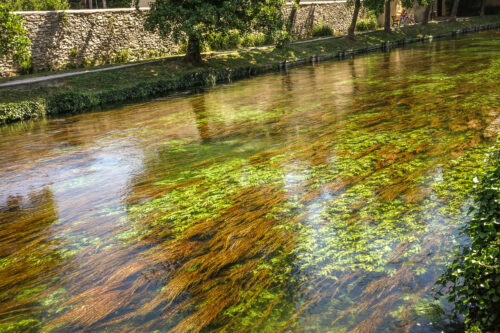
x=200, y=113
x=193, y=54
x=454, y=10
x=104, y=4
x=483, y=5
x=427, y=12
x=387, y=19
x=291, y=23
x=350, y=31
x=293, y=15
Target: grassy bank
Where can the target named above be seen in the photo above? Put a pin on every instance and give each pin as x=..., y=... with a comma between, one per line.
x=85, y=92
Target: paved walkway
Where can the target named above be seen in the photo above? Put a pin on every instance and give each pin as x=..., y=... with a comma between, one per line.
x=70, y=74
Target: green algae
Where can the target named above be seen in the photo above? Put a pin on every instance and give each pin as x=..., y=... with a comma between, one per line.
x=26, y=325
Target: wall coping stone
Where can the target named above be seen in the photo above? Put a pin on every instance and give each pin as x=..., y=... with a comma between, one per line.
x=91, y=11
x=83, y=11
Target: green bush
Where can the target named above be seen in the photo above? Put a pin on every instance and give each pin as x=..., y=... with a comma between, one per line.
x=122, y=56
x=367, y=24
x=116, y=3
x=14, y=40
x=472, y=280
x=220, y=41
x=234, y=40
x=30, y=5
x=321, y=30
x=12, y=112
x=68, y=102
x=258, y=39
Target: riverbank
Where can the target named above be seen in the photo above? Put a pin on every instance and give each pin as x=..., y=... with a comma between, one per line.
x=95, y=90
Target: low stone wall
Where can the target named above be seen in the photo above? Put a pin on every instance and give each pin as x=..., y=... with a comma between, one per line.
x=336, y=14
x=72, y=38
x=61, y=39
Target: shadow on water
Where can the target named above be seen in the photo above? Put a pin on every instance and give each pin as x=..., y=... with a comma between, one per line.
x=323, y=199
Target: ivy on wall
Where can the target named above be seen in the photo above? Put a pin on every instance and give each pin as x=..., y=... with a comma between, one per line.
x=14, y=41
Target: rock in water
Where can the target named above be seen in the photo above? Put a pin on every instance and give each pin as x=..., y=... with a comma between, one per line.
x=493, y=129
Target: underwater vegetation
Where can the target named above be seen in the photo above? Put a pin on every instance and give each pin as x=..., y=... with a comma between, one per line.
x=323, y=199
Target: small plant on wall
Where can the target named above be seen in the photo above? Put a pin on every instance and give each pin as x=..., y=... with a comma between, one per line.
x=321, y=30
x=14, y=41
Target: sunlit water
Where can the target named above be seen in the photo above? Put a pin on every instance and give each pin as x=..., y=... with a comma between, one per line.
x=325, y=199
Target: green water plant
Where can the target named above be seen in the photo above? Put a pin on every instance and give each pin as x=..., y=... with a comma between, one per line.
x=472, y=280
x=298, y=213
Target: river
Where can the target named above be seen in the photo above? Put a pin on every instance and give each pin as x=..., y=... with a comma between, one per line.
x=322, y=199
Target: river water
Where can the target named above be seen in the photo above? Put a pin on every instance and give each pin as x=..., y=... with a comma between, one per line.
x=324, y=199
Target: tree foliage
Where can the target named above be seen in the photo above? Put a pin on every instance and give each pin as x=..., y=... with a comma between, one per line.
x=14, y=40
x=377, y=6
x=195, y=19
x=473, y=278
x=78, y=4
x=30, y=5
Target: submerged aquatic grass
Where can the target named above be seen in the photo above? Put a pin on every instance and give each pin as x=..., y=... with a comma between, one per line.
x=326, y=198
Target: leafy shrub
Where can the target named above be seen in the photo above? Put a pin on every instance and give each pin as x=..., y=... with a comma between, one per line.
x=62, y=18
x=116, y=3
x=367, y=24
x=257, y=39
x=321, y=30
x=68, y=102
x=473, y=278
x=14, y=40
x=11, y=112
x=220, y=41
x=234, y=40
x=29, y=5
x=121, y=56
x=73, y=53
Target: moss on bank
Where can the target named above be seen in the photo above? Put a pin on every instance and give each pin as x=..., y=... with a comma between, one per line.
x=85, y=92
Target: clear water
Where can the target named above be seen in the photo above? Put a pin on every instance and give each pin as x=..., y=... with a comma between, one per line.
x=325, y=199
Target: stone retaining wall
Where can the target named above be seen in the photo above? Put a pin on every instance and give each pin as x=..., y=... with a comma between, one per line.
x=73, y=38
x=336, y=14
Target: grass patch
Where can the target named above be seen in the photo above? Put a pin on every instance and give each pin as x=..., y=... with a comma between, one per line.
x=84, y=92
